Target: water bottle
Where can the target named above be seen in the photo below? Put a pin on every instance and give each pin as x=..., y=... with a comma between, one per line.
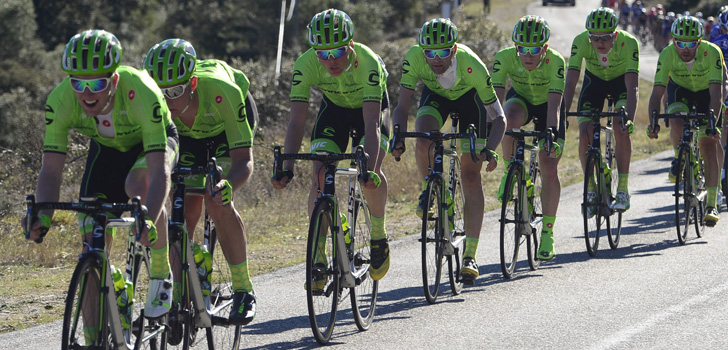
x=529, y=193
x=124, y=296
x=345, y=227
x=203, y=259
x=450, y=211
x=607, y=177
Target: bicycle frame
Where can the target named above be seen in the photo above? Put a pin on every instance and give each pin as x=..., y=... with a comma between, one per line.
x=519, y=160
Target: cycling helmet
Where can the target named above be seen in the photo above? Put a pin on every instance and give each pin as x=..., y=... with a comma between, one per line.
x=329, y=29
x=438, y=33
x=723, y=19
x=602, y=19
x=531, y=31
x=91, y=52
x=171, y=62
x=687, y=28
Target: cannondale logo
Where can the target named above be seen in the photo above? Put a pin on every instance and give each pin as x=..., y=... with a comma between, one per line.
x=178, y=203
x=329, y=179
x=438, y=159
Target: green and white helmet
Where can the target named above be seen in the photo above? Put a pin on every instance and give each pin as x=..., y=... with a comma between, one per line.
x=171, y=62
x=438, y=33
x=687, y=28
x=329, y=29
x=531, y=31
x=602, y=20
x=91, y=52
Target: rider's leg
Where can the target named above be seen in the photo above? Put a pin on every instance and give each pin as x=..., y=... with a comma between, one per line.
x=473, y=206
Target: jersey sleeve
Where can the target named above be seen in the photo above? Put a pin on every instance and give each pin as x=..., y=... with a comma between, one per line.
x=633, y=61
x=147, y=106
x=409, y=74
x=302, y=79
x=662, y=72
x=556, y=73
x=373, y=77
x=716, y=72
x=58, y=112
x=577, y=47
x=500, y=69
x=481, y=80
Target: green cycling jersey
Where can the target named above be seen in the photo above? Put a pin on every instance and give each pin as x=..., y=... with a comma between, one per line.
x=363, y=81
x=470, y=73
x=140, y=114
x=706, y=69
x=534, y=85
x=222, y=91
x=622, y=58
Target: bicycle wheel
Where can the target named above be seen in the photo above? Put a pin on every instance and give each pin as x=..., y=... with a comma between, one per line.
x=220, y=335
x=685, y=212
x=432, y=242
x=702, y=195
x=614, y=222
x=592, y=207
x=364, y=295
x=144, y=333
x=510, y=221
x=182, y=334
x=82, y=308
x=322, y=280
x=724, y=176
x=535, y=217
x=457, y=227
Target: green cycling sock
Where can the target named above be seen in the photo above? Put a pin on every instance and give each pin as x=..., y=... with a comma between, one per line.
x=160, y=263
x=378, y=229
x=712, y=196
x=622, y=185
x=241, y=277
x=548, y=224
x=471, y=247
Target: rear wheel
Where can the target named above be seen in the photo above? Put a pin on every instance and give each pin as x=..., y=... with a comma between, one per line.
x=364, y=295
x=221, y=336
x=431, y=241
x=686, y=214
x=82, y=308
x=510, y=221
x=457, y=227
x=322, y=280
x=591, y=205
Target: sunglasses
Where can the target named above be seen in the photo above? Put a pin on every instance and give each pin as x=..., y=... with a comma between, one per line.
x=93, y=85
x=174, y=92
x=686, y=44
x=332, y=53
x=442, y=53
x=532, y=50
x=601, y=37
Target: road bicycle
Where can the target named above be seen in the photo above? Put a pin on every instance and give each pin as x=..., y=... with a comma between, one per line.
x=600, y=181
x=521, y=212
x=337, y=260
x=195, y=311
x=690, y=194
x=443, y=231
x=92, y=318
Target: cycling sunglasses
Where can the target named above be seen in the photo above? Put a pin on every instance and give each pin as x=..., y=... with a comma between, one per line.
x=532, y=50
x=93, y=85
x=174, y=92
x=601, y=37
x=686, y=44
x=442, y=53
x=332, y=53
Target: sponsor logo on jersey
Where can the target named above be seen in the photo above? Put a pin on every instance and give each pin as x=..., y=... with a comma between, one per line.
x=296, y=77
x=157, y=113
x=329, y=131
x=218, y=99
x=470, y=69
x=132, y=93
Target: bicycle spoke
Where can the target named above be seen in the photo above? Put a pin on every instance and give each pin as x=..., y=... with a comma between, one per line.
x=322, y=280
x=431, y=243
x=364, y=295
x=511, y=221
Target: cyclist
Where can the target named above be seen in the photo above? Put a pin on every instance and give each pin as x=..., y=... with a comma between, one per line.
x=352, y=78
x=536, y=73
x=456, y=80
x=721, y=41
x=612, y=68
x=695, y=71
x=132, y=150
x=207, y=100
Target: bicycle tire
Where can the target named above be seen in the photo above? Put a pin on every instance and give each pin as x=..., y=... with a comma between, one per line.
x=182, y=333
x=684, y=211
x=322, y=303
x=85, y=281
x=700, y=189
x=592, y=225
x=220, y=336
x=536, y=216
x=614, y=222
x=511, y=212
x=431, y=241
x=142, y=328
x=455, y=261
x=364, y=295
x=724, y=177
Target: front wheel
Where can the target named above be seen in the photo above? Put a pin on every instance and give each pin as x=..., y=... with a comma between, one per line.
x=455, y=209
x=364, y=295
x=322, y=279
x=592, y=208
x=536, y=215
x=686, y=214
x=614, y=223
x=511, y=221
x=221, y=336
x=82, y=311
x=432, y=237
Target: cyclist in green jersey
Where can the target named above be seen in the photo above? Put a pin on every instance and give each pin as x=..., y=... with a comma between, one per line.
x=207, y=99
x=536, y=73
x=612, y=69
x=353, y=80
x=690, y=70
x=132, y=150
x=456, y=80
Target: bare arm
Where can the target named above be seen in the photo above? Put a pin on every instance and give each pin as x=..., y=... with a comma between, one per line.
x=500, y=93
x=400, y=114
x=48, y=189
x=371, y=112
x=159, y=183
x=294, y=133
x=572, y=77
x=552, y=112
x=631, y=81
x=654, y=105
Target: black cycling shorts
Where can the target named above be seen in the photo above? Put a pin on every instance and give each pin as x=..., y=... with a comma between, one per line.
x=538, y=113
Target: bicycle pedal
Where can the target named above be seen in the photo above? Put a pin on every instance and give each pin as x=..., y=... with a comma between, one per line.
x=710, y=223
x=467, y=280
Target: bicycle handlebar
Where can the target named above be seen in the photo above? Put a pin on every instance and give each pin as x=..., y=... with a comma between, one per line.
x=548, y=135
x=436, y=136
x=596, y=114
x=90, y=206
x=694, y=115
x=359, y=155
